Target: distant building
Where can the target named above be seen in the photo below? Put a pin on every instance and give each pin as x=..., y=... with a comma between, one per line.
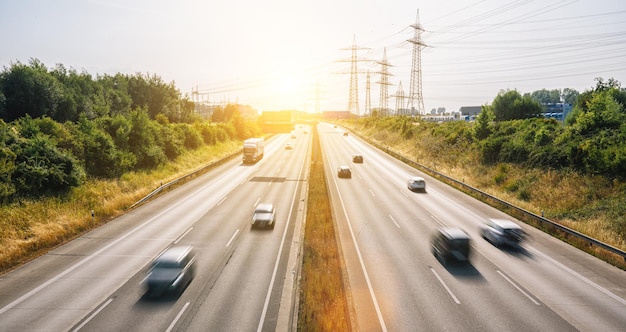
x=557, y=111
x=469, y=113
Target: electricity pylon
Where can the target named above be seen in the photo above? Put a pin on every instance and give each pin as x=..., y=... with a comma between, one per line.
x=400, y=110
x=383, y=101
x=353, y=102
x=415, y=90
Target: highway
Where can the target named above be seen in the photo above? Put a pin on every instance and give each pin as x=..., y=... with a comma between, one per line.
x=397, y=284
x=245, y=277
x=95, y=283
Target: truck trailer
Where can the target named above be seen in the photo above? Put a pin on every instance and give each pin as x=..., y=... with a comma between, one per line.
x=253, y=150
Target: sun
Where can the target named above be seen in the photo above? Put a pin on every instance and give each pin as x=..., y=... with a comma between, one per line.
x=286, y=85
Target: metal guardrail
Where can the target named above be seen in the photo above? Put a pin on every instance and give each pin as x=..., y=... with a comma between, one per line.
x=187, y=176
x=526, y=214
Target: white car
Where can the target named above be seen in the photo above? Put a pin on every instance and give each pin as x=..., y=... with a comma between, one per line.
x=416, y=183
x=502, y=232
x=264, y=216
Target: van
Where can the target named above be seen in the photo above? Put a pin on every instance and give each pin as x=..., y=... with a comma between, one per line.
x=450, y=244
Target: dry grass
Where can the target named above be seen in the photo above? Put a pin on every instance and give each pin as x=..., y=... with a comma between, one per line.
x=323, y=302
x=30, y=228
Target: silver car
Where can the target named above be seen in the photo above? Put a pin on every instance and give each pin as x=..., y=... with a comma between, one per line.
x=502, y=232
x=264, y=216
x=416, y=183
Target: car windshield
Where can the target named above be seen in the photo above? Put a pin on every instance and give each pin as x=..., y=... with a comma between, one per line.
x=459, y=243
x=166, y=265
x=513, y=232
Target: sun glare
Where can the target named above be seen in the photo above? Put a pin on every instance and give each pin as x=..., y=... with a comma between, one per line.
x=286, y=86
x=287, y=92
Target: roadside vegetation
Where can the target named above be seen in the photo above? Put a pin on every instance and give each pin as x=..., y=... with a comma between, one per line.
x=323, y=302
x=71, y=144
x=573, y=173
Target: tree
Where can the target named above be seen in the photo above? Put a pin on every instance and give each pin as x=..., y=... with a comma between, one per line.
x=42, y=168
x=545, y=96
x=570, y=96
x=510, y=105
x=7, y=161
x=30, y=89
x=482, y=126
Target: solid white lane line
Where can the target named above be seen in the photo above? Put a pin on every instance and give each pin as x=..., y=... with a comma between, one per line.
x=280, y=250
x=95, y=313
x=180, y=313
x=379, y=314
x=580, y=276
x=221, y=200
x=517, y=287
x=362, y=262
x=445, y=286
x=232, y=238
x=84, y=261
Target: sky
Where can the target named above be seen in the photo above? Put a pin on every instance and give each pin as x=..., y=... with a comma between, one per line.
x=296, y=54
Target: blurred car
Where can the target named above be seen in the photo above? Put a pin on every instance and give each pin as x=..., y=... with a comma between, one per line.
x=502, y=232
x=171, y=271
x=416, y=183
x=289, y=146
x=264, y=216
x=450, y=244
x=357, y=158
x=345, y=133
x=344, y=171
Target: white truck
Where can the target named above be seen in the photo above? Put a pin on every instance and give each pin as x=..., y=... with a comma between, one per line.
x=253, y=150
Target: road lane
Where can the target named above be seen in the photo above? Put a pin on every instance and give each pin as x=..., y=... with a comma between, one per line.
x=498, y=290
x=95, y=282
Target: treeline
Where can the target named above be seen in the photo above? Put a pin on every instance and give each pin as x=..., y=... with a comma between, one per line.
x=59, y=127
x=592, y=139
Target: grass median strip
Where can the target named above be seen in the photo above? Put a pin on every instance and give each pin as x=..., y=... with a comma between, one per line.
x=323, y=301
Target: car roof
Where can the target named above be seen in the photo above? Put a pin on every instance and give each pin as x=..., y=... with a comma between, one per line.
x=344, y=167
x=264, y=207
x=454, y=233
x=504, y=223
x=416, y=178
x=174, y=254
